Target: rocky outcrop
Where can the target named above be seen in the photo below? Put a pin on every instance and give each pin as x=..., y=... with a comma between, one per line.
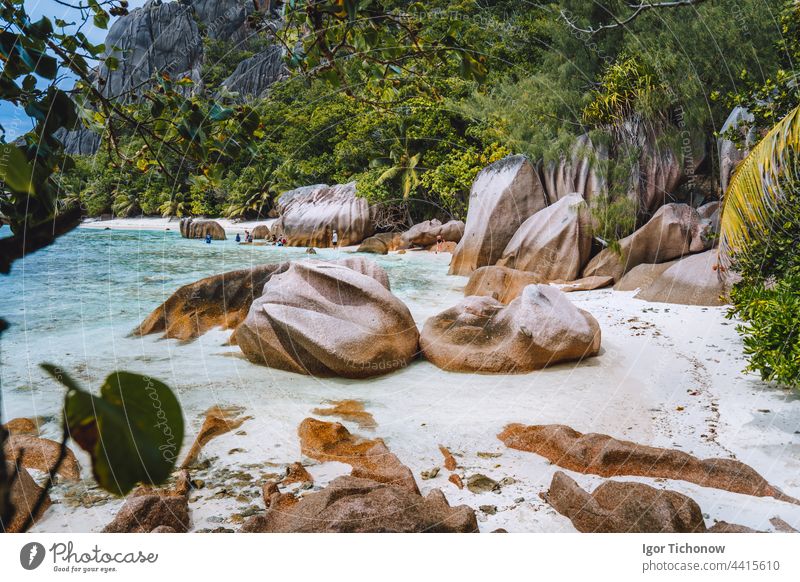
x=253, y=76
x=24, y=495
x=23, y=426
x=642, y=276
x=261, y=232
x=730, y=154
x=624, y=507
x=199, y=228
x=79, y=141
x=370, y=458
x=539, y=328
x=503, y=196
x=160, y=37
x=555, y=243
x=499, y=283
x=671, y=233
x=424, y=234
x=349, y=410
x=357, y=505
x=327, y=319
x=218, y=421
x=309, y=215
x=154, y=510
x=33, y=452
x=576, y=173
x=584, y=284
x=693, y=280
x=606, y=456
x=381, y=244
x=217, y=301
x=223, y=19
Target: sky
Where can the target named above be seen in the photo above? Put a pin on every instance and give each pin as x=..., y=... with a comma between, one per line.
x=14, y=120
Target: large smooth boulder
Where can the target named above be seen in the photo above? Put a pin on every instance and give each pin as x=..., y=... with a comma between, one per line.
x=261, y=232
x=356, y=505
x=34, y=452
x=503, y=196
x=148, y=509
x=381, y=243
x=424, y=234
x=579, y=172
x=642, y=276
x=327, y=319
x=199, y=228
x=309, y=215
x=668, y=235
x=24, y=494
x=624, y=507
x=555, y=243
x=603, y=455
x=539, y=328
x=499, y=283
x=693, y=280
x=217, y=301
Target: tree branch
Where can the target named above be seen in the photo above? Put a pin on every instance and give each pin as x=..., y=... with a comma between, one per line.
x=638, y=10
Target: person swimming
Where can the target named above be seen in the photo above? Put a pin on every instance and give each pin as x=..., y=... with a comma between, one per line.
x=208, y=238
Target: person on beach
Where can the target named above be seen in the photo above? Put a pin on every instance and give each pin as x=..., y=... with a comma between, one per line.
x=238, y=238
x=208, y=238
x=438, y=243
x=335, y=239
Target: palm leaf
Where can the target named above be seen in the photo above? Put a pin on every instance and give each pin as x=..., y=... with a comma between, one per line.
x=755, y=190
x=389, y=174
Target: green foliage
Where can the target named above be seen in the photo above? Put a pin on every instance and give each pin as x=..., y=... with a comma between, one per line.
x=133, y=430
x=767, y=299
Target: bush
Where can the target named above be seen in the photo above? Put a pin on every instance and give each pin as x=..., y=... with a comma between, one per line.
x=767, y=299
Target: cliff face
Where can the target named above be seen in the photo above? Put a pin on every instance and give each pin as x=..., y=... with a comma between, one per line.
x=167, y=37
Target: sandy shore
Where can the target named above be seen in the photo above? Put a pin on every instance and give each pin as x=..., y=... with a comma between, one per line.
x=667, y=375
x=160, y=223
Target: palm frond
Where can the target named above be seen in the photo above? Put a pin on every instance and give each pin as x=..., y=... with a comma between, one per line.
x=757, y=187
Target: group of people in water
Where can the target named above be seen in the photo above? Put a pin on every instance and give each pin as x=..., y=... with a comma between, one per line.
x=275, y=240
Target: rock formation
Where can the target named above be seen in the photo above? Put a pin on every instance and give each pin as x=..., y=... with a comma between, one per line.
x=381, y=243
x=693, y=280
x=642, y=276
x=199, y=228
x=24, y=495
x=606, y=456
x=576, y=173
x=503, y=196
x=326, y=319
x=261, y=232
x=539, y=328
x=217, y=301
x=349, y=410
x=33, y=452
x=370, y=458
x=218, y=421
x=424, y=234
x=671, y=233
x=148, y=510
x=253, y=76
x=356, y=505
x=624, y=507
x=309, y=215
x=555, y=243
x=730, y=154
x=499, y=283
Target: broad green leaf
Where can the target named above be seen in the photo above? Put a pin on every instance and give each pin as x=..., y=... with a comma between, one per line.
x=133, y=430
x=15, y=170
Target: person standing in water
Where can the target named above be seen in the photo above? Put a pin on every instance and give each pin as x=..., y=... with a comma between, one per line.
x=335, y=239
x=208, y=238
x=238, y=238
x=438, y=243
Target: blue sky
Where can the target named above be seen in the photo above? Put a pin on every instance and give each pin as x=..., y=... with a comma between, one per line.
x=15, y=121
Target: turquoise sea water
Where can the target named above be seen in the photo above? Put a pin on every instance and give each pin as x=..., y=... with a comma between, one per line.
x=75, y=302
